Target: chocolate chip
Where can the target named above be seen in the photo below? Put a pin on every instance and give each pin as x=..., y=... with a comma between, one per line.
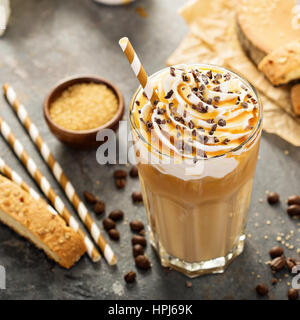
x=120, y=174
x=114, y=234
x=244, y=105
x=139, y=240
x=89, y=197
x=214, y=127
x=262, y=289
x=293, y=200
x=116, y=215
x=217, y=89
x=273, y=197
x=191, y=125
x=293, y=210
x=169, y=94
x=99, y=207
x=130, y=277
x=276, y=252
x=136, y=225
x=293, y=294
x=226, y=141
x=137, y=250
x=278, y=263
x=137, y=103
x=217, y=99
x=209, y=101
x=120, y=183
x=222, y=122
x=137, y=196
x=142, y=262
x=155, y=102
x=108, y=224
x=209, y=74
x=172, y=72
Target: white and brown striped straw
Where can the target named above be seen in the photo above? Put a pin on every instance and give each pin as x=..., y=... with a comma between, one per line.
x=46, y=188
x=12, y=175
x=138, y=69
x=59, y=174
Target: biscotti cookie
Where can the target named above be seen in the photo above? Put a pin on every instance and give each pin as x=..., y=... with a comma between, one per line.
x=31, y=219
x=282, y=65
x=295, y=96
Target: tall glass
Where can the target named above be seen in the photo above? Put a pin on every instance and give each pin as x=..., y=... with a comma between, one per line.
x=197, y=225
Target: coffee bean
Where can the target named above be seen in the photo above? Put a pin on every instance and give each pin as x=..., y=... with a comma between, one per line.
x=136, y=225
x=293, y=200
x=278, y=263
x=130, y=277
x=293, y=210
x=274, y=281
x=114, y=234
x=139, y=240
x=273, y=197
x=108, y=224
x=137, y=196
x=99, y=207
x=276, y=252
x=116, y=215
x=134, y=172
x=262, y=289
x=291, y=263
x=142, y=262
x=90, y=198
x=120, y=183
x=293, y=294
x=120, y=174
x=137, y=250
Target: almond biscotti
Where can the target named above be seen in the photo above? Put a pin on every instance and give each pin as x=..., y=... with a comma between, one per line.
x=282, y=65
x=31, y=219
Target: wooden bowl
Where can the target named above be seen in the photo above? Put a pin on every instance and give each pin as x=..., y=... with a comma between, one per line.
x=81, y=139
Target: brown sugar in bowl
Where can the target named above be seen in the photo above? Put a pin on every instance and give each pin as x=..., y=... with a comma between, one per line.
x=83, y=139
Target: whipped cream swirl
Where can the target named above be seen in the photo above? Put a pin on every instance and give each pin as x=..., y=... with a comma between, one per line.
x=201, y=112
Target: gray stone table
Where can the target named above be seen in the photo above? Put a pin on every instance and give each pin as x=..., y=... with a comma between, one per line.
x=49, y=40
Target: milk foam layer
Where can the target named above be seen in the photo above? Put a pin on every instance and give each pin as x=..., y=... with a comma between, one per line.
x=201, y=112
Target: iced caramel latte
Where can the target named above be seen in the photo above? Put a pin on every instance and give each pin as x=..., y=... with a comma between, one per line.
x=196, y=149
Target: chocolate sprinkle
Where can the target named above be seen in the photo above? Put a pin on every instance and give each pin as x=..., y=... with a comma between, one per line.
x=169, y=94
x=172, y=72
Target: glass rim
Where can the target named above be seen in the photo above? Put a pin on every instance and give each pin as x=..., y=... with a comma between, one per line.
x=208, y=66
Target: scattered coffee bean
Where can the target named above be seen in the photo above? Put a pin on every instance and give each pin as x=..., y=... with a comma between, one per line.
x=293, y=210
x=134, y=172
x=116, y=215
x=138, y=250
x=142, y=262
x=108, y=224
x=273, y=197
x=89, y=197
x=293, y=294
x=274, y=281
x=130, y=277
x=262, y=289
x=188, y=284
x=120, y=174
x=291, y=263
x=114, y=234
x=278, y=263
x=99, y=207
x=136, y=225
x=120, y=183
x=276, y=252
x=293, y=200
x=137, y=196
x=139, y=240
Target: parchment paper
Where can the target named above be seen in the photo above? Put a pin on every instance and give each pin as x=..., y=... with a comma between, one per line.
x=213, y=39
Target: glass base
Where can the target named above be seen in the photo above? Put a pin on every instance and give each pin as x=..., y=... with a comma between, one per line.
x=195, y=269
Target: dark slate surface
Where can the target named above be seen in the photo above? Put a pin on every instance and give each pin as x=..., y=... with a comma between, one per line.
x=49, y=40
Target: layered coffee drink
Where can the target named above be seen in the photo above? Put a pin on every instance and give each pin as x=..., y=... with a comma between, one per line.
x=196, y=149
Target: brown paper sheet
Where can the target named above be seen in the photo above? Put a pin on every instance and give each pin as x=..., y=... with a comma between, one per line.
x=212, y=39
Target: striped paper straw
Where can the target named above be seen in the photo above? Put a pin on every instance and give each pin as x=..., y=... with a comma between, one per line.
x=59, y=174
x=46, y=188
x=138, y=69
